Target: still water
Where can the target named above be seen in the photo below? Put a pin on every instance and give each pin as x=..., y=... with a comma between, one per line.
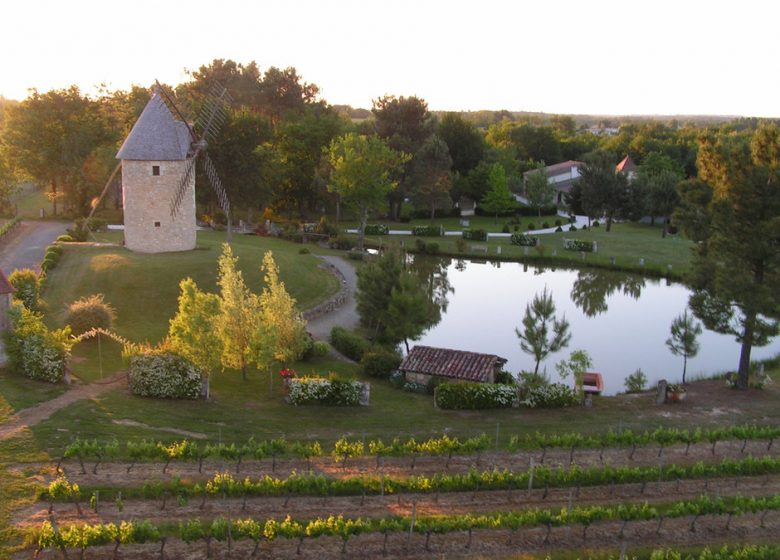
x=622, y=320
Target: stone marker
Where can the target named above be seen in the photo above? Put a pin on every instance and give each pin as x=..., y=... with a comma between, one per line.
x=660, y=396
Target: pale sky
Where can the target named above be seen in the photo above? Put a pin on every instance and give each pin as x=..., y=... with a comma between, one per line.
x=556, y=56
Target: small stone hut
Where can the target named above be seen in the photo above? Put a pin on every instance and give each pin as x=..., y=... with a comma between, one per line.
x=426, y=362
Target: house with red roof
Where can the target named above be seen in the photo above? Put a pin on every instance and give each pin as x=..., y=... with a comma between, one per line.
x=426, y=362
x=627, y=167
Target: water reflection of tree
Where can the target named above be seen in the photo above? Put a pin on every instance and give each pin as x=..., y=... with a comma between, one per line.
x=592, y=287
x=432, y=274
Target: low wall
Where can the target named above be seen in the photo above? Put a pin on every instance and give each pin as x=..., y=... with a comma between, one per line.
x=333, y=303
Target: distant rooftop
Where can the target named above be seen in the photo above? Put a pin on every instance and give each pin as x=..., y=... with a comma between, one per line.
x=156, y=136
x=557, y=169
x=444, y=362
x=627, y=165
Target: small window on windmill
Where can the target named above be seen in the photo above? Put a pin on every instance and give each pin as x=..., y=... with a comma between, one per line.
x=156, y=224
x=156, y=170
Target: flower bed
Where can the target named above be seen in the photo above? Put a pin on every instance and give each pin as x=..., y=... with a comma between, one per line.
x=554, y=395
x=319, y=390
x=523, y=240
x=163, y=375
x=474, y=396
x=578, y=245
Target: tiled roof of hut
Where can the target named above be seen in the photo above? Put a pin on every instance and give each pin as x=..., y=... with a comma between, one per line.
x=470, y=366
x=5, y=285
x=156, y=136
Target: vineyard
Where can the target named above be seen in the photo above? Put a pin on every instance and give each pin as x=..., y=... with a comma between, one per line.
x=441, y=497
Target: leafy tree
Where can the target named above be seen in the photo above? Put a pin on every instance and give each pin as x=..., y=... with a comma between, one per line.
x=735, y=272
x=376, y=281
x=361, y=173
x=48, y=138
x=592, y=288
x=431, y=175
x=538, y=190
x=604, y=190
x=542, y=333
x=578, y=363
x=683, y=340
x=239, y=314
x=661, y=196
x=8, y=185
x=465, y=143
x=193, y=332
x=410, y=310
x=498, y=200
x=281, y=320
x=282, y=92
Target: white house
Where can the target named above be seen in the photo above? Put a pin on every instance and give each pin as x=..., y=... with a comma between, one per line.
x=562, y=175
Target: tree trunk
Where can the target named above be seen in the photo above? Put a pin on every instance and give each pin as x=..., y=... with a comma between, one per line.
x=652, y=219
x=362, y=228
x=406, y=342
x=744, y=354
x=609, y=223
x=685, y=366
x=243, y=372
x=54, y=194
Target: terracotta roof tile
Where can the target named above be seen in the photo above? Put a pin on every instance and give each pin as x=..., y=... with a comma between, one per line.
x=459, y=364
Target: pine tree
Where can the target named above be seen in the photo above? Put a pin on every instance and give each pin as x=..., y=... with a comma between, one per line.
x=683, y=340
x=538, y=322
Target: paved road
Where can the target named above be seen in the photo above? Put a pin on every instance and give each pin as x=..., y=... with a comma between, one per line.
x=346, y=315
x=25, y=246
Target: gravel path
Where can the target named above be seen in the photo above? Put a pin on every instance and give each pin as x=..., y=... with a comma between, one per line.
x=344, y=316
x=26, y=245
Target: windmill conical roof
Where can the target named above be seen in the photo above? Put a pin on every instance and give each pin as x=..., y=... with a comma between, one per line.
x=156, y=136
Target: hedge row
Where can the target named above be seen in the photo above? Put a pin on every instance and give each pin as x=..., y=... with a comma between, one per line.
x=318, y=390
x=428, y=231
x=475, y=234
x=523, y=240
x=351, y=345
x=474, y=396
x=164, y=375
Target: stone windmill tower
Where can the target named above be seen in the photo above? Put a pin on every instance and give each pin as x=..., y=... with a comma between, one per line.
x=158, y=175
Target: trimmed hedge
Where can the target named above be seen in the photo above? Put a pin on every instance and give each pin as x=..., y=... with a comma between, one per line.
x=318, y=390
x=474, y=396
x=380, y=362
x=28, y=287
x=523, y=240
x=428, y=231
x=475, y=234
x=554, y=395
x=164, y=375
x=350, y=344
x=34, y=350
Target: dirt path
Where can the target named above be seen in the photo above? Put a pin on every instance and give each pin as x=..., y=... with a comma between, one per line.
x=344, y=316
x=35, y=414
x=26, y=245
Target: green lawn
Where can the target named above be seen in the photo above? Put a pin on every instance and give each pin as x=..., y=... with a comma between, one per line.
x=17, y=392
x=144, y=288
x=628, y=243
x=451, y=223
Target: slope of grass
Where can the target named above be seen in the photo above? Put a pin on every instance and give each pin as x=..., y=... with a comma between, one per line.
x=17, y=392
x=144, y=288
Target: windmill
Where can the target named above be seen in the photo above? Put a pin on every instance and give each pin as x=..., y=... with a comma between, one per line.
x=158, y=160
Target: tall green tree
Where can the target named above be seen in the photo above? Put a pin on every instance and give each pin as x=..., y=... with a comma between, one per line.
x=499, y=199
x=466, y=144
x=736, y=266
x=410, y=311
x=684, y=331
x=376, y=281
x=604, y=190
x=193, y=330
x=239, y=316
x=431, y=175
x=538, y=190
x=542, y=334
x=361, y=173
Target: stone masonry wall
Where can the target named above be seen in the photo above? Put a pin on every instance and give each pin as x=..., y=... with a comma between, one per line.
x=149, y=227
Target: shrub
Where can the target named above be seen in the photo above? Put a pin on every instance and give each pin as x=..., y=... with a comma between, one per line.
x=350, y=344
x=554, y=395
x=419, y=245
x=596, y=223
x=636, y=382
x=505, y=229
x=161, y=374
x=376, y=229
x=404, y=218
x=320, y=349
x=505, y=378
x=27, y=285
x=90, y=312
x=475, y=234
x=54, y=249
x=531, y=226
x=523, y=240
x=545, y=225
x=34, y=350
x=578, y=245
x=414, y=387
x=380, y=362
x=342, y=243
x=82, y=227
x=432, y=248
x=65, y=238
x=460, y=245
x=355, y=255
x=572, y=228
x=428, y=231
x=672, y=230
x=304, y=251
x=474, y=396
x=558, y=222
x=559, y=229
x=318, y=390
x=49, y=262
x=324, y=227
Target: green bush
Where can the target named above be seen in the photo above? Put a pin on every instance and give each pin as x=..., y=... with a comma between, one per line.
x=559, y=229
x=376, y=229
x=572, y=228
x=342, y=243
x=523, y=240
x=65, y=238
x=34, y=350
x=554, y=395
x=80, y=231
x=318, y=390
x=531, y=226
x=49, y=263
x=54, y=249
x=505, y=229
x=505, y=378
x=475, y=234
x=596, y=223
x=419, y=245
x=90, y=312
x=546, y=225
x=636, y=382
x=474, y=396
x=353, y=346
x=162, y=374
x=380, y=362
x=432, y=248
x=558, y=222
x=304, y=251
x=27, y=285
x=578, y=245
x=427, y=231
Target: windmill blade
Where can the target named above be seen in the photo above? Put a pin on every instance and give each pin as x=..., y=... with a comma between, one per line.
x=172, y=105
x=184, y=183
x=213, y=115
x=102, y=195
x=216, y=184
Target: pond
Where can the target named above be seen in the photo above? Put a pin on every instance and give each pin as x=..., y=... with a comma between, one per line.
x=622, y=320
